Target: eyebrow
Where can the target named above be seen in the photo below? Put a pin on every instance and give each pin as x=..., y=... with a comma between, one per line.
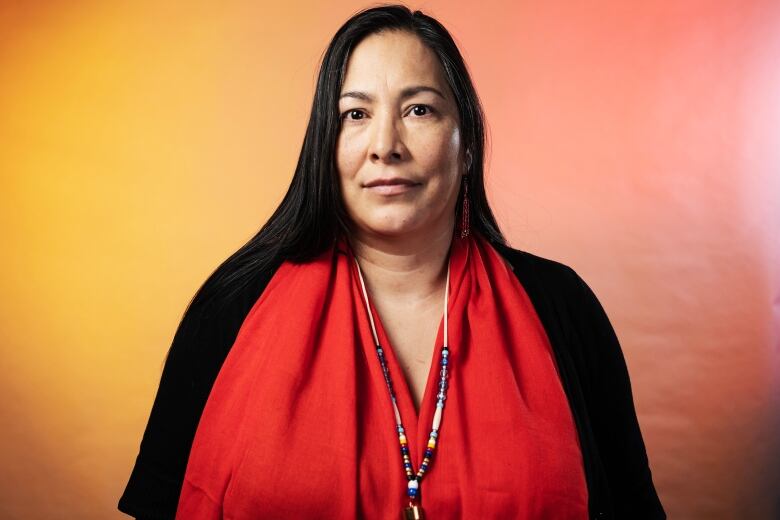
x=405, y=93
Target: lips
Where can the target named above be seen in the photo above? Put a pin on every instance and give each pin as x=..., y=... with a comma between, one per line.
x=391, y=182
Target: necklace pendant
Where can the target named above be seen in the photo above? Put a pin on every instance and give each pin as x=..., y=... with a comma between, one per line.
x=413, y=513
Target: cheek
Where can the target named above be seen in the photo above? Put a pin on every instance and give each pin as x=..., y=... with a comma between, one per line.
x=347, y=158
x=442, y=149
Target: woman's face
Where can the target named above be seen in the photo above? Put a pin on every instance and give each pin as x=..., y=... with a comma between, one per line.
x=398, y=121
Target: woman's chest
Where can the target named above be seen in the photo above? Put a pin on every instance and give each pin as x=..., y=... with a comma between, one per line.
x=413, y=340
x=325, y=446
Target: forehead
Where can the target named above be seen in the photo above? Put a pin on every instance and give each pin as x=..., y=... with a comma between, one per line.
x=392, y=60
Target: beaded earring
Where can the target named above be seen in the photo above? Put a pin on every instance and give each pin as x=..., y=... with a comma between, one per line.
x=464, y=225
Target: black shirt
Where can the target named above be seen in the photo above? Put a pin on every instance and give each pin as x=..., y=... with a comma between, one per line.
x=589, y=357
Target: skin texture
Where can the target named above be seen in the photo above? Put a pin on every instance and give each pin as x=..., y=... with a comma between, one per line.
x=401, y=241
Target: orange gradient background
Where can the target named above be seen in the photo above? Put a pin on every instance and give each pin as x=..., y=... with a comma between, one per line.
x=143, y=142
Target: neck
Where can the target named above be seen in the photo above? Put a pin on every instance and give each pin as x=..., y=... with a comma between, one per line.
x=407, y=270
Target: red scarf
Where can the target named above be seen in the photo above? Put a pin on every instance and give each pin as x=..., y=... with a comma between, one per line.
x=299, y=423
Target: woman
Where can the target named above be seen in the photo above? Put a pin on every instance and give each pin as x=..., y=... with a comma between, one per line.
x=389, y=354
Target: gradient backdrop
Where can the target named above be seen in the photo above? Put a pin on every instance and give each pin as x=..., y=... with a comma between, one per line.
x=142, y=144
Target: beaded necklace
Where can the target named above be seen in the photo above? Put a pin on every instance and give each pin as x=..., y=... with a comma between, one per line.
x=414, y=511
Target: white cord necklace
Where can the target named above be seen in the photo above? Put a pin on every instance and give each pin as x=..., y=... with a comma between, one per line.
x=414, y=511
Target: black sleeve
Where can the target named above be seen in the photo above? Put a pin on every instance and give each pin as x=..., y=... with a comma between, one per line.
x=613, y=416
x=197, y=352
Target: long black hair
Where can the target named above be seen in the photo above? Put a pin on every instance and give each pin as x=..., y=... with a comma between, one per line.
x=312, y=213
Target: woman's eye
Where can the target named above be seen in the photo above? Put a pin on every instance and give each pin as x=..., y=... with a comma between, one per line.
x=348, y=113
x=425, y=109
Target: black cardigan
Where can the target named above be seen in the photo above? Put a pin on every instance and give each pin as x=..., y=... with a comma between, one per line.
x=590, y=361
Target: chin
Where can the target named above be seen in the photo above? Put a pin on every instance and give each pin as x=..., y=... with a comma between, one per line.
x=391, y=231
x=389, y=227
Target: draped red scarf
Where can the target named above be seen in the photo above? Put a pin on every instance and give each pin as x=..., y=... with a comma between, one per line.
x=299, y=423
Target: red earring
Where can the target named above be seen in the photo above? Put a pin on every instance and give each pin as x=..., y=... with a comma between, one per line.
x=464, y=225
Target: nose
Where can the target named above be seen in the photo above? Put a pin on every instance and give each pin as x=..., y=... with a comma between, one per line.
x=386, y=140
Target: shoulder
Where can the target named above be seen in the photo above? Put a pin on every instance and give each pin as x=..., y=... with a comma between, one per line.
x=573, y=316
x=561, y=297
x=200, y=345
x=547, y=276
